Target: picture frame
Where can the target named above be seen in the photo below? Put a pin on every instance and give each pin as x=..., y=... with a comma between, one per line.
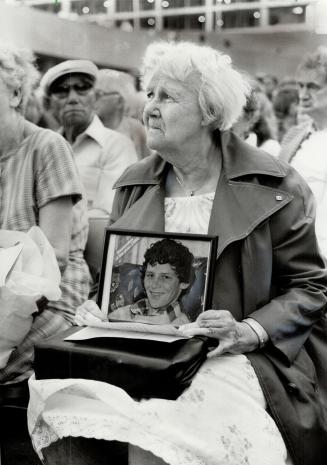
x=156, y=278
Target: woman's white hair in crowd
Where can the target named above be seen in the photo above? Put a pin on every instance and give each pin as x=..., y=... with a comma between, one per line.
x=222, y=90
x=18, y=72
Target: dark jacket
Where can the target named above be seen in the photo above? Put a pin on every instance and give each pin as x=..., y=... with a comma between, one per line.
x=268, y=267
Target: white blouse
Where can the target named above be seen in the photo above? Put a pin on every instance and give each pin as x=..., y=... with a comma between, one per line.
x=188, y=214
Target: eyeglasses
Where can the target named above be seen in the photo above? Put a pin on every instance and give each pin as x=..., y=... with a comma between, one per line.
x=101, y=93
x=62, y=92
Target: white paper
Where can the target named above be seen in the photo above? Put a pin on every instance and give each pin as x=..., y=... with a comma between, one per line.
x=122, y=330
x=8, y=257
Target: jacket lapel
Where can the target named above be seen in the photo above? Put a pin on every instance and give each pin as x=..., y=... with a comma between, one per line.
x=147, y=213
x=239, y=204
x=239, y=207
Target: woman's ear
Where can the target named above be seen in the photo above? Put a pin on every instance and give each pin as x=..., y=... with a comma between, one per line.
x=15, y=98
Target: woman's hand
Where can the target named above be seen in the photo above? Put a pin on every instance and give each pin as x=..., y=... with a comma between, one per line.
x=89, y=314
x=234, y=337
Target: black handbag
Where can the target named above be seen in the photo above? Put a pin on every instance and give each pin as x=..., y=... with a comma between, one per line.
x=143, y=368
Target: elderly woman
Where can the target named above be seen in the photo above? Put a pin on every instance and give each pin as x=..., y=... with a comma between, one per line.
x=39, y=186
x=257, y=398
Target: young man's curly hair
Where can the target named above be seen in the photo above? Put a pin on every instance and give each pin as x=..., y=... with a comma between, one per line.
x=176, y=254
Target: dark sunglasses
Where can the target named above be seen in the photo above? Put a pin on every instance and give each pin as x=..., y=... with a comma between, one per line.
x=62, y=91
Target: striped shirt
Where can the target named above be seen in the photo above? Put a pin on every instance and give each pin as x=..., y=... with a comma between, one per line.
x=39, y=170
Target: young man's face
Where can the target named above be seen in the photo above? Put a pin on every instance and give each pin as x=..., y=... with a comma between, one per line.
x=312, y=87
x=72, y=100
x=162, y=285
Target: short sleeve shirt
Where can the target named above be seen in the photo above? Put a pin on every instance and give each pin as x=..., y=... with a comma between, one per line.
x=39, y=170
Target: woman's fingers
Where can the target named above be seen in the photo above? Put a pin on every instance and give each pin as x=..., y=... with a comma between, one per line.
x=216, y=317
x=78, y=321
x=88, y=313
x=219, y=350
x=92, y=307
x=194, y=331
x=213, y=314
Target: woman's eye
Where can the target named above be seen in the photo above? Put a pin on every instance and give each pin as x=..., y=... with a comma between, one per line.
x=149, y=95
x=166, y=96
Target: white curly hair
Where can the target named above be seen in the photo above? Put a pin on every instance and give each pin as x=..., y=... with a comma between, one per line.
x=17, y=71
x=222, y=90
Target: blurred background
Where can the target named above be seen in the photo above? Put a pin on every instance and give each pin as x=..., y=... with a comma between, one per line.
x=260, y=35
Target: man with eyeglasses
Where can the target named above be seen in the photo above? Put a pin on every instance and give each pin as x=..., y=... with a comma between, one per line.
x=114, y=92
x=101, y=154
x=305, y=145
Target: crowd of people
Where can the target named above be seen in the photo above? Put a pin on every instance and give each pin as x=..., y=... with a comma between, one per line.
x=215, y=152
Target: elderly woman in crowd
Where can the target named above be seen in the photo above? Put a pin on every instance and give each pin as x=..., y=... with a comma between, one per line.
x=39, y=186
x=257, y=399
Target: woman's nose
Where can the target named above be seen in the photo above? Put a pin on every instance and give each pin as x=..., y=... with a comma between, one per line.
x=151, y=109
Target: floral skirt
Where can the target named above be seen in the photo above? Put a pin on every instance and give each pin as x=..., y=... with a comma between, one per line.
x=221, y=419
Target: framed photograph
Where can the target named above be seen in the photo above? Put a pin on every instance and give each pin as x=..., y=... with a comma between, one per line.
x=154, y=278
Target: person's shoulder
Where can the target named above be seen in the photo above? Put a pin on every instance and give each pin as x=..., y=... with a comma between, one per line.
x=115, y=143
x=270, y=170
x=32, y=129
x=111, y=136
x=271, y=146
x=44, y=138
x=299, y=130
x=146, y=171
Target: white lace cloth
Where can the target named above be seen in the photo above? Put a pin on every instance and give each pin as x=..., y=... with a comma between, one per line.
x=188, y=214
x=220, y=419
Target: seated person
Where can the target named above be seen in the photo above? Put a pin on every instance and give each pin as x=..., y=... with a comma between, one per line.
x=40, y=186
x=262, y=390
x=101, y=154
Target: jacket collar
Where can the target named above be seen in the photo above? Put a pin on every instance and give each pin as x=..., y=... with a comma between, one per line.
x=239, y=159
x=96, y=131
x=239, y=205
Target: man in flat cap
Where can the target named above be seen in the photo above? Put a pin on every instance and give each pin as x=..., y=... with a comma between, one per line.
x=101, y=154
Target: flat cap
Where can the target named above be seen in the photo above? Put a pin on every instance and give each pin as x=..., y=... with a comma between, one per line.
x=68, y=67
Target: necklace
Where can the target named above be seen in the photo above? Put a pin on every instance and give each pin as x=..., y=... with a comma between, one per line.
x=190, y=192
x=187, y=191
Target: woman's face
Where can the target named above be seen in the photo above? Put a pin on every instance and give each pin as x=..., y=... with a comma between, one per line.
x=172, y=115
x=162, y=285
